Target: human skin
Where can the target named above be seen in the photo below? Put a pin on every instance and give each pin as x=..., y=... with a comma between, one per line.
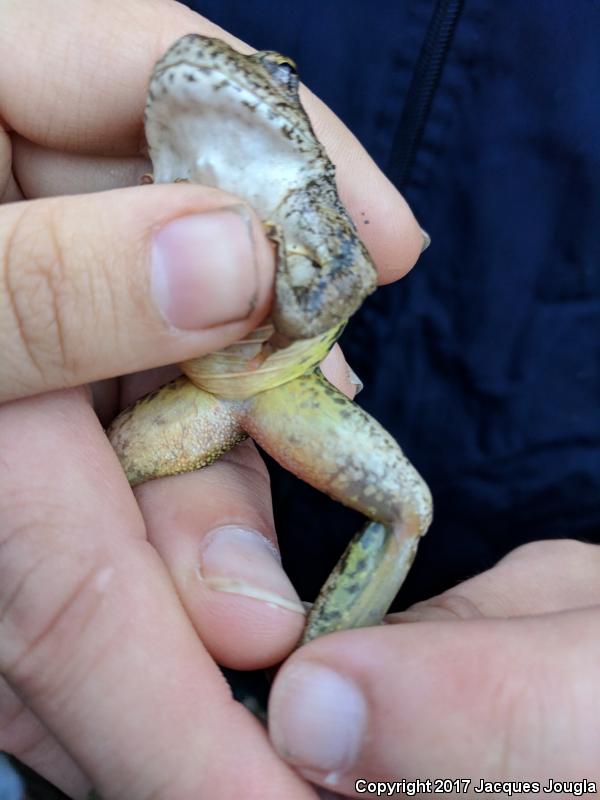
x=107, y=635
x=495, y=679
x=115, y=605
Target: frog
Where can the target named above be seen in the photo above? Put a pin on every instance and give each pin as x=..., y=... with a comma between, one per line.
x=217, y=117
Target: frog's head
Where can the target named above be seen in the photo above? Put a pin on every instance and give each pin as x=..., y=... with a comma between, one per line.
x=265, y=72
x=221, y=118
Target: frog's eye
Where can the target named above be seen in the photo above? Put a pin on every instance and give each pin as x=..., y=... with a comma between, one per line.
x=282, y=69
x=288, y=64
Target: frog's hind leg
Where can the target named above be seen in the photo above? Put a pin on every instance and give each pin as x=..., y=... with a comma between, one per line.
x=176, y=429
x=313, y=430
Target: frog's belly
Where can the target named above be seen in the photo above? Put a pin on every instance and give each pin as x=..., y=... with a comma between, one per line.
x=230, y=373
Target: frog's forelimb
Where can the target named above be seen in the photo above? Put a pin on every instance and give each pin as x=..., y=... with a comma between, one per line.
x=324, y=271
x=321, y=436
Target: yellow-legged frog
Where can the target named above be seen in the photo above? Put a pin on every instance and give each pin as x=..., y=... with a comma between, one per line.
x=220, y=118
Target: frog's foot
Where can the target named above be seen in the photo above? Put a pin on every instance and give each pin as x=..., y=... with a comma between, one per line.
x=364, y=582
x=176, y=429
x=313, y=430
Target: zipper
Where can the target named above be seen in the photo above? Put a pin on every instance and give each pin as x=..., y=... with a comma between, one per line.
x=423, y=85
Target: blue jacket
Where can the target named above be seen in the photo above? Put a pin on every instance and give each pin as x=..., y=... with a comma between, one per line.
x=484, y=361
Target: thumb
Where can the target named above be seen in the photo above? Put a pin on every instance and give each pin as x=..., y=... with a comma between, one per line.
x=99, y=285
x=457, y=698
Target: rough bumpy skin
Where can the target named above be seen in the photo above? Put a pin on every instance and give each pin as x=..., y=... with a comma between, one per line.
x=177, y=429
x=223, y=119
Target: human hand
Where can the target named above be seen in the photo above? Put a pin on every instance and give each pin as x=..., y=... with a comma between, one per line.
x=108, y=631
x=494, y=680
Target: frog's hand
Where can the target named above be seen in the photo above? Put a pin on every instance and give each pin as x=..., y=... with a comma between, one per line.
x=176, y=429
x=313, y=430
x=324, y=271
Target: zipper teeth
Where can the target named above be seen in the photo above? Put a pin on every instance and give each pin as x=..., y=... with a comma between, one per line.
x=424, y=82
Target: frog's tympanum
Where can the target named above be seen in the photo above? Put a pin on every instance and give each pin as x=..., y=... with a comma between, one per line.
x=220, y=118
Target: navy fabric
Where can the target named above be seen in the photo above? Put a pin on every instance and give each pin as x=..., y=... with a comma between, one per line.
x=11, y=785
x=484, y=361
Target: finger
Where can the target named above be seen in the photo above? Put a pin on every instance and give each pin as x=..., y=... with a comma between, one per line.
x=162, y=274
x=24, y=736
x=92, y=634
x=9, y=191
x=537, y=578
x=214, y=530
x=338, y=372
x=503, y=699
x=122, y=42
x=95, y=69
x=42, y=172
x=384, y=220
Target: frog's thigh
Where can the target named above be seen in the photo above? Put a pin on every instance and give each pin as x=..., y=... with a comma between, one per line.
x=313, y=430
x=318, y=434
x=176, y=429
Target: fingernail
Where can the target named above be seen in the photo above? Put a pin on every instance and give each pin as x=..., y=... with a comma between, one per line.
x=317, y=717
x=355, y=380
x=203, y=269
x=426, y=240
x=239, y=561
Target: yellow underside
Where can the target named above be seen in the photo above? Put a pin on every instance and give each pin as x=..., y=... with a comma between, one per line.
x=231, y=374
